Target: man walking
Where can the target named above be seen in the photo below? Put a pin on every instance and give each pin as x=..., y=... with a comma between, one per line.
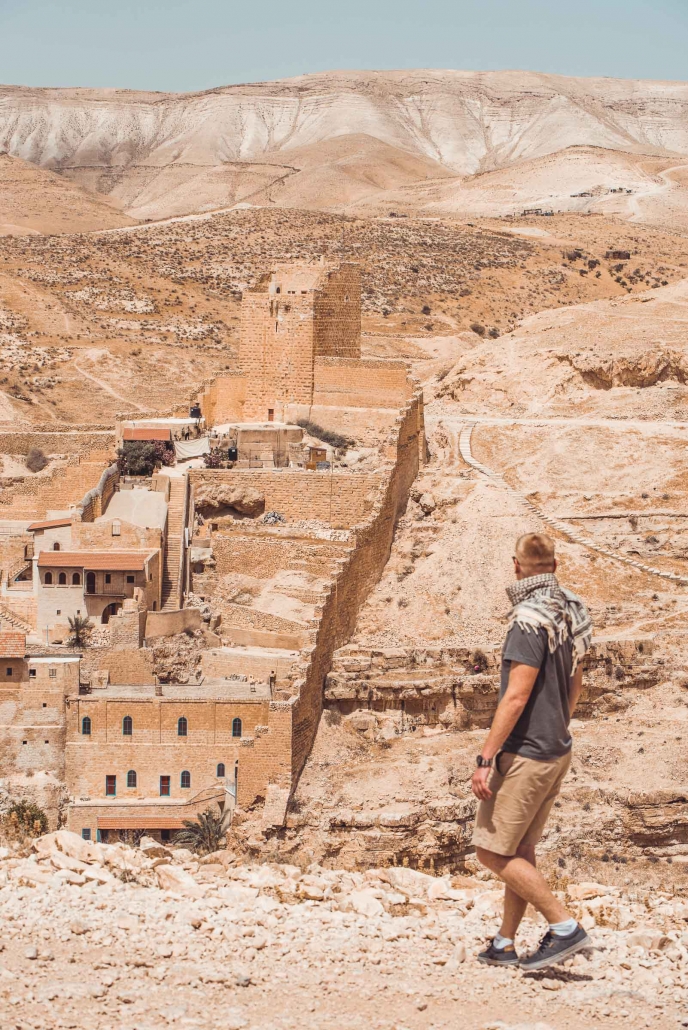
x=528, y=750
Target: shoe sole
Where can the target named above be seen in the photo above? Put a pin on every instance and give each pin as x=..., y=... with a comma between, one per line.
x=494, y=962
x=584, y=942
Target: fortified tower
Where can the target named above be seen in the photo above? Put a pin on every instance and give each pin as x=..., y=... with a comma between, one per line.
x=295, y=314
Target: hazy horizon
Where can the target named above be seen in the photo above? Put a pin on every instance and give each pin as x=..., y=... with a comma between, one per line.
x=178, y=46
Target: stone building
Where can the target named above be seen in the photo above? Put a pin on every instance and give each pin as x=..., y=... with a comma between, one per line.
x=33, y=685
x=144, y=756
x=147, y=757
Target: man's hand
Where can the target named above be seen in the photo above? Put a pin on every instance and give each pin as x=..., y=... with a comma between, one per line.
x=479, y=783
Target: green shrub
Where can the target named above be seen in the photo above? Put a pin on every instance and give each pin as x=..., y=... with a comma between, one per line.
x=27, y=819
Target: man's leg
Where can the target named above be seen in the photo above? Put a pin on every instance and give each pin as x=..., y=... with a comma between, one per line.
x=514, y=905
x=526, y=882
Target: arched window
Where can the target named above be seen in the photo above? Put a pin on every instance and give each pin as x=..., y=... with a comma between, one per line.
x=186, y=779
x=182, y=727
x=62, y=579
x=76, y=579
x=220, y=769
x=48, y=579
x=127, y=726
x=131, y=778
x=56, y=546
x=236, y=727
x=86, y=726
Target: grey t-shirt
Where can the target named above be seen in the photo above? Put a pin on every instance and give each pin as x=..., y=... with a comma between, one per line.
x=542, y=731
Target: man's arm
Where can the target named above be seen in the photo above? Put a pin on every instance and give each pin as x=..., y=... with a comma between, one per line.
x=521, y=682
x=575, y=687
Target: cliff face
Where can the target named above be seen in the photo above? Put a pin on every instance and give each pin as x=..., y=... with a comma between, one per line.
x=454, y=123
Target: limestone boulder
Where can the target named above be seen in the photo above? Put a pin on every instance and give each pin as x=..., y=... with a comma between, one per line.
x=212, y=498
x=70, y=844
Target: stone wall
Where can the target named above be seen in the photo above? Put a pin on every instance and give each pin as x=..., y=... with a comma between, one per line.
x=70, y=440
x=362, y=383
x=340, y=499
x=356, y=576
x=32, y=723
x=223, y=399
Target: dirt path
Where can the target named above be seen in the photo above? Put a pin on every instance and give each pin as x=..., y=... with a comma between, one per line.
x=128, y=403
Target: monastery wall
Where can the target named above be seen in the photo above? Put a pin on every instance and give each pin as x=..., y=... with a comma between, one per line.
x=358, y=573
x=341, y=499
x=337, y=313
x=223, y=399
x=361, y=383
x=32, y=721
x=71, y=441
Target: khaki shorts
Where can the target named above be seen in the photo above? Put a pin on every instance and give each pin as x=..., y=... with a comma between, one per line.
x=523, y=792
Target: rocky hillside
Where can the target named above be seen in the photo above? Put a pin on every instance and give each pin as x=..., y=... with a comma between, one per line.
x=339, y=139
x=97, y=935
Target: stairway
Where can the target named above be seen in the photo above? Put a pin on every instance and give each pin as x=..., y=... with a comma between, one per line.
x=172, y=568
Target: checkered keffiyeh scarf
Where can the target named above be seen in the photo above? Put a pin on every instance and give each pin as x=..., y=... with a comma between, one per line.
x=539, y=602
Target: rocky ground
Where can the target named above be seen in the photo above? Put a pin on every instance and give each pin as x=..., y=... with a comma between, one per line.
x=111, y=936
x=85, y=318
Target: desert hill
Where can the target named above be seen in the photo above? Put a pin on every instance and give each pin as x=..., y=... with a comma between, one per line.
x=294, y=142
x=34, y=200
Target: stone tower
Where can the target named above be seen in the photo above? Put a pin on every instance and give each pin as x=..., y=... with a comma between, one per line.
x=295, y=314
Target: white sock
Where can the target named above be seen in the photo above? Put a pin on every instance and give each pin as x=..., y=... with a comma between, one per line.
x=563, y=929
x=500, y=943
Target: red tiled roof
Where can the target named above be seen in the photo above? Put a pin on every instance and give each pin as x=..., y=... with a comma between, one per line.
x=125, y=561
x=145, y=434
x=12, y=645
x=49, y=524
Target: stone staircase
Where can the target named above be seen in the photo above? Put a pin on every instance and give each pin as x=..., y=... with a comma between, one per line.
x=172, y=568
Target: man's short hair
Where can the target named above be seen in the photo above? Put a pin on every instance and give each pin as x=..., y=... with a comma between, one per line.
x=535, y=550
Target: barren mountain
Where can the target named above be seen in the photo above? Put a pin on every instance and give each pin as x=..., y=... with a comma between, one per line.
x=344, y=139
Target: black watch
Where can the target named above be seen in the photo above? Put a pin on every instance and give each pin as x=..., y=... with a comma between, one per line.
x=483, y=763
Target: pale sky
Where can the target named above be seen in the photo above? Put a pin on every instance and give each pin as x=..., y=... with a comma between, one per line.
x=197, y=44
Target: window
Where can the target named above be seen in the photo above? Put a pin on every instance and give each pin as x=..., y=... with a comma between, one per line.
x=56, y=546
x=182, y=727
x=86, y=833
x=32, y=673
x=271, y=414
x=116, y=528
x=164, y=786
x=108, y=577
x=58, y=611
x=86, y=726
x=127, y=726
x=62, y=579
x=131, y=778
x=90, y=582
x=52, y=673
x=164, y=836
x=130, y=579
x=236, y=727
x=48, y=579
x=110, y=786
x=45, y=704
x=9, y=670
x=185, y=782
x=76, y=579
x=220, y=769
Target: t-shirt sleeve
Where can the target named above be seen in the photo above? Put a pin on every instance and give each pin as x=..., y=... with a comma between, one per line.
x=525, y=646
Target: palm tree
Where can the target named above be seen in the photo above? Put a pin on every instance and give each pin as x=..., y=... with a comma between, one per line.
x=79, y=627
x=206, y=832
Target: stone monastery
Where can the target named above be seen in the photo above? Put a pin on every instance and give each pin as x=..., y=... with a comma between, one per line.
x=255, y=542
